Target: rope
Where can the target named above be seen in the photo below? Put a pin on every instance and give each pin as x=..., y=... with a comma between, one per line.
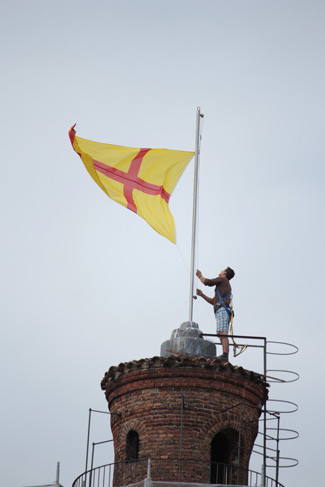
x=182, y=257
x=243, y=348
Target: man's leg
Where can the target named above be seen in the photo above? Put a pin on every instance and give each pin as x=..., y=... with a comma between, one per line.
x=224, y=341
x=222, y=320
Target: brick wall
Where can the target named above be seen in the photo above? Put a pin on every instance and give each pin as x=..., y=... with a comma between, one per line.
x=146, y=396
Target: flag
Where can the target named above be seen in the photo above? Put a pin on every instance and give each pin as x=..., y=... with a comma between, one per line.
x=142, y=180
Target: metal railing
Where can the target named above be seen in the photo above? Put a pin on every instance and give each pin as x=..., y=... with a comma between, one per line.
x=171, y=471
x=272, y=459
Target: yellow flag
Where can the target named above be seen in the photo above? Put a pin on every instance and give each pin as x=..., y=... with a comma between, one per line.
x=140, y=179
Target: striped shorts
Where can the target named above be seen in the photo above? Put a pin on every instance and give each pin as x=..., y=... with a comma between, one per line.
x=222, y=320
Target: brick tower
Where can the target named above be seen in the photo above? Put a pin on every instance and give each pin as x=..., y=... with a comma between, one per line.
x=195, y=417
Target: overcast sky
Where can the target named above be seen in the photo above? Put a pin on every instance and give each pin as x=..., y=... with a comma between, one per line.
x=87, y=284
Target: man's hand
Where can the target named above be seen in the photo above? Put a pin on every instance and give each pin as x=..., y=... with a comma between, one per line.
x=200, y=276
x=207, y=299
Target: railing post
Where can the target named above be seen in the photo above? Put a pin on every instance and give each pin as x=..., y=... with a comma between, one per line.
x=263, y=476
x=277, y=451
x=264, y=425
x=88, y=434
x=147, y=480
x=239, y=435
x=181, y=438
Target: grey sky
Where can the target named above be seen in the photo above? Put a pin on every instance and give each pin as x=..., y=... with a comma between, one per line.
x=85, y=283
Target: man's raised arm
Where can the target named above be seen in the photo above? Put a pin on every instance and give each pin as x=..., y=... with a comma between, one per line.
x=200, y=276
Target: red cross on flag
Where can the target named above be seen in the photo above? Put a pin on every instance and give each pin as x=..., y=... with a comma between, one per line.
x=140, y=179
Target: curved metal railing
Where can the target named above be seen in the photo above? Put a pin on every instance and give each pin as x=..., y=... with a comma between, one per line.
x=273, y=407
x=170, y=472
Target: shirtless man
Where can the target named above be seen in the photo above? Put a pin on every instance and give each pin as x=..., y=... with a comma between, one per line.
x=221, y=303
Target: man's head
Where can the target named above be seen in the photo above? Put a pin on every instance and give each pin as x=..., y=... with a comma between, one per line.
x=228, y=273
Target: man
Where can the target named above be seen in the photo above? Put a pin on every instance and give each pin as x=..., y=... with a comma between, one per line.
x=221, y=303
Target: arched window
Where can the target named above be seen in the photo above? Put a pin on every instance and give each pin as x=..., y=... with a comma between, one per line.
x=220, y=459
x=132, y=445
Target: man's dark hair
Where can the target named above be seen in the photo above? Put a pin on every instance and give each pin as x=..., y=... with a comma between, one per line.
x=230, y=273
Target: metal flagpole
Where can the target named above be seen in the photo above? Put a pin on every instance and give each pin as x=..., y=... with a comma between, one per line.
x=199, y=115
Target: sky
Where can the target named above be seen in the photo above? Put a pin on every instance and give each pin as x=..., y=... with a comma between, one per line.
x=87, y=284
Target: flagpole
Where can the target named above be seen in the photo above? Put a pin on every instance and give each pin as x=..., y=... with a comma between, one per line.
x=196, y=170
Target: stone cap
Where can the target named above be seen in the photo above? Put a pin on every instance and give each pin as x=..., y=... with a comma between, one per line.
x=188, y=339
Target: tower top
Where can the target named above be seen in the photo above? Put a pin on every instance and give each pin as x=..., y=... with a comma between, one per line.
x=180, y=362
x=188, y=414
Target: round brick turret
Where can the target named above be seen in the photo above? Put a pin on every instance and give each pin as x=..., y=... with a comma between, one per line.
x=196, y=410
